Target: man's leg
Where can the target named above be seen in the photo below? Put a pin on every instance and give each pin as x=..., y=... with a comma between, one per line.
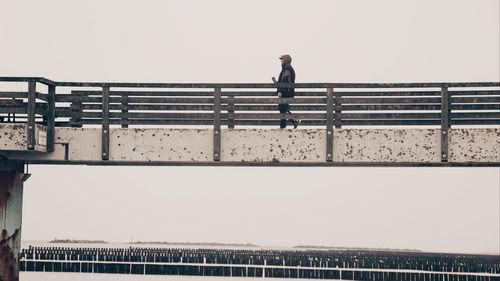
x=283, y=107
x=295, y=122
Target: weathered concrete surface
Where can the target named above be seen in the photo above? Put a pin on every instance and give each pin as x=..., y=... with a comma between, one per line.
x=387, y=145
x=481, y=145
x=11, y=198
x=264, y=145
x=13, y=137
x=161, y=144
x=133, y=145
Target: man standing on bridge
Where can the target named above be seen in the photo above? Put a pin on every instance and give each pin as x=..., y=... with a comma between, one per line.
x=287, y=75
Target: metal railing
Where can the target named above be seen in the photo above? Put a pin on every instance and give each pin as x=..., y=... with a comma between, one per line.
x=330, y=105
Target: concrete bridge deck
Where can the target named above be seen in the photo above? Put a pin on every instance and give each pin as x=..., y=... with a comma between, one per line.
x=266, y=147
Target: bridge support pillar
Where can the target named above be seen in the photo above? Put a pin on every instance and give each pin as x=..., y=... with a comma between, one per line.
x=12, y=177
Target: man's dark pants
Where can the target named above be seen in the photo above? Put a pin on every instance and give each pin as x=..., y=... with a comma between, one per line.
x=284, y=108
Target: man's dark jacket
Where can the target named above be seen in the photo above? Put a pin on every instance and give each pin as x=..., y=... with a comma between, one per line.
x=287, y=75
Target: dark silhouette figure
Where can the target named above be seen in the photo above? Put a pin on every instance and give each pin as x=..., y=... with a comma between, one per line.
x=287, y=75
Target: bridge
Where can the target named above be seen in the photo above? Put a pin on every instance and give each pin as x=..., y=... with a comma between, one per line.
x=236, y=124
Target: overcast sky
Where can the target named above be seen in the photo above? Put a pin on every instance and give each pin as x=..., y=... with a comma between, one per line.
x=435, y=209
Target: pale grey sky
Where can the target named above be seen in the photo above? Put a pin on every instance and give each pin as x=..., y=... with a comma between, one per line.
x=436, y=209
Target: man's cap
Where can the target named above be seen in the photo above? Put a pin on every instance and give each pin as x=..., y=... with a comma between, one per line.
x=286, y=58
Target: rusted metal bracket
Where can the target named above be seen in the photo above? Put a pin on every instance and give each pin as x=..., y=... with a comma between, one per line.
x=445, y=123
x=76, y=110
x=51, y=117
x=329, y=124
x=230, y=111
x=217, y=121
x=338, y=110
x=105, y=123
x=124, y=107
x=31, y=115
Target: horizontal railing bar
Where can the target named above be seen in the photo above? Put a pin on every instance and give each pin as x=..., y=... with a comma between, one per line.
x=151, y=115
x=301, y=115
x=382, y=122
x=277, y=100
x=251, y=85
x=188, y=107
x=304, y=123
x=11, y=102
x=272, y=116
x=418, y=93
x=64, y=98
x=18, y=95
x=319, y=107
x=422, y=100
x=69, y=98
x=298, y=107
x=345, y=116
x=388, y=93
x=154, y=115
x=394, y=122
x=263, y=122
x=258, y=116
x=154, y=100
x=283, y=85
x=12, y=109
x=475, y=107
x=163, y=100
x=273, y=93
x=150, y=122
x=475, y=100
x=132, y=100
x=475, y=115
x=381, y=107
x=474, y=93
x=131, y=93
x=206, y=107
x=475, y=122
x=27, y=79
x=274, y=107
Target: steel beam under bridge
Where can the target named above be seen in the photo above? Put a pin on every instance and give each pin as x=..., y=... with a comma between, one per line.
x=256, y=147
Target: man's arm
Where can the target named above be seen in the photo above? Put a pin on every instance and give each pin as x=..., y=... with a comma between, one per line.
x=285, y=78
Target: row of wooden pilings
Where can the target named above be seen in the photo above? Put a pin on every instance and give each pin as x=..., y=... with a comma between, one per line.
x=347, y=265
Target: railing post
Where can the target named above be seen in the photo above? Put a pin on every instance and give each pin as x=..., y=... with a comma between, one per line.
x=31, y=115
x=338, y=110
x=124, y=107
x=51, y=117
x=445, y=123
x=105, y=123
x=76, y=110
x=217, y=132
x=230, y=111
x=329, y=124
